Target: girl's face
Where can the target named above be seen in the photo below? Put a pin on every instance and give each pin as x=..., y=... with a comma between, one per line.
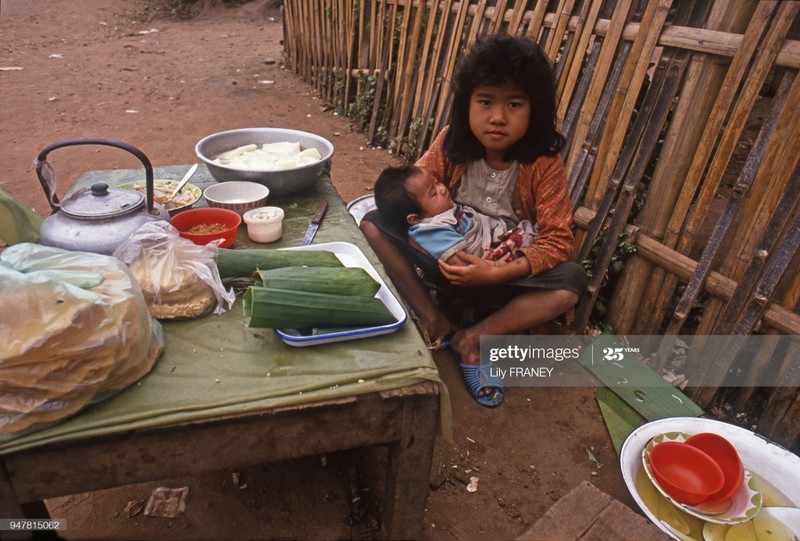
x=432, y=197
x=498, y=116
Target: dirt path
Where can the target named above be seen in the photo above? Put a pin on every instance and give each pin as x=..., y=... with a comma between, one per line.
x=119, y=69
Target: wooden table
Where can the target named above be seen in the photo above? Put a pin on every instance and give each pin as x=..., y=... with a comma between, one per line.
x=404, y=418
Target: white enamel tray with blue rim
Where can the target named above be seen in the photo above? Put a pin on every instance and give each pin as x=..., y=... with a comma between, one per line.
x=350, y=256
x=771, y=463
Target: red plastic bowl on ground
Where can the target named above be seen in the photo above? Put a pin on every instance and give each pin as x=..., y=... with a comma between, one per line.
x=191, y=218
x=685, y=472
x=724, y=454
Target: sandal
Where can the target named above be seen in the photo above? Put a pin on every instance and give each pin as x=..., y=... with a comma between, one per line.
x=477, y=377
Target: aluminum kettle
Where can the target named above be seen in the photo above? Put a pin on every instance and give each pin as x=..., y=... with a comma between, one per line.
x=98, y=218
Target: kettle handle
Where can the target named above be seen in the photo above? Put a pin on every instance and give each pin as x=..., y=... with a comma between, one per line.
x=48, y=180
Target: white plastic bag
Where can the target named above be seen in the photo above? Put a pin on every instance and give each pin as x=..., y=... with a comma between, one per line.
x=179, y=278
x=74, y=329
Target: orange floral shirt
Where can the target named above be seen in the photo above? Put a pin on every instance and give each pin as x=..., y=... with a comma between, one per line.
x=540, y=195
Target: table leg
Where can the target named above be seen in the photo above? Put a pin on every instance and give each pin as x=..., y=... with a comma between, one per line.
x=10, y=506
x=408, y=468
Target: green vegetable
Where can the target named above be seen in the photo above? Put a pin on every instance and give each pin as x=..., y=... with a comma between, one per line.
x=339, y=281
x=245, y=263
x=287, y=309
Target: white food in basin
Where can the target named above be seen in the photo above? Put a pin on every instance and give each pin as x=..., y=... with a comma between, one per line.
x=270, y=157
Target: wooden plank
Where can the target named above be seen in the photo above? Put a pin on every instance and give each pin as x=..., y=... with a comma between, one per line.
x=586, y=512
x=618, y=521
x=570, y=516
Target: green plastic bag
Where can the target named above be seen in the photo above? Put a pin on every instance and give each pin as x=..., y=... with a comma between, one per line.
x=18, y=223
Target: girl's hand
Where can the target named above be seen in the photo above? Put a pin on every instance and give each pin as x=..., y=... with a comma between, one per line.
x=463, y=269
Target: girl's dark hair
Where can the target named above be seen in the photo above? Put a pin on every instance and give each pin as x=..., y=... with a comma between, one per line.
x=500, y=59
x=391, y=197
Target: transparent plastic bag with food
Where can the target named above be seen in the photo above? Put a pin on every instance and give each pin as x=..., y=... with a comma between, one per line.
x=179, y=279
x=74, y=330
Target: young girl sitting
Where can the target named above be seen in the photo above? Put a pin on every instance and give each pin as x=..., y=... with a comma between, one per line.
x=500, y=156
x=410, y=196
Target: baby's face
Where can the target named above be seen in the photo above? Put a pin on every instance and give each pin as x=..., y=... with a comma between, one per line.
x=432, y=197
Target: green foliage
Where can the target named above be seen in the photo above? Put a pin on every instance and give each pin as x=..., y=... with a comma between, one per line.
x=623, y=250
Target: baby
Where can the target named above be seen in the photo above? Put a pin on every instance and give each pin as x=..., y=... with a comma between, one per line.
x=411, y=196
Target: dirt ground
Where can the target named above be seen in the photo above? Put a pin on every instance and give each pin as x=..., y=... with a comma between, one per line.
x=131, y=70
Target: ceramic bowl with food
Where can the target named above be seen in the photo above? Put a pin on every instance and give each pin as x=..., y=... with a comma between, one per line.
x=236, y=195
x=162, y=190
x=203, y=225
x=285, y=161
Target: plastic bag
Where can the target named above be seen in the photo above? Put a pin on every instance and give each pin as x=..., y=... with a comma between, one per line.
x=74, y=329
x=179, y=279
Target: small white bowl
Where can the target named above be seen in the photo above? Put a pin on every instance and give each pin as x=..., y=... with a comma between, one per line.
x=238, y=196
x=264, y=224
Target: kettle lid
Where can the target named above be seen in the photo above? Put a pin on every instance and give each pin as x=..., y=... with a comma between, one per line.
x=98, y=201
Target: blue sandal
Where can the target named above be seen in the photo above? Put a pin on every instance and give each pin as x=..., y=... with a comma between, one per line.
x=477, y=377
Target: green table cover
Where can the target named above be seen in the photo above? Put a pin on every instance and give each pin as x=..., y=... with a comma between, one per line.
x=216, y=365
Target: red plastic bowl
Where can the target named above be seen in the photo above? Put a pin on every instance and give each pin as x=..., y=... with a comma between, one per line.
x=188, y=219
x=724, y=454
x=685, y=472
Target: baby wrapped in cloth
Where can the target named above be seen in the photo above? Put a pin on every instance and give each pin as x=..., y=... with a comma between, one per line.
x=463, y=228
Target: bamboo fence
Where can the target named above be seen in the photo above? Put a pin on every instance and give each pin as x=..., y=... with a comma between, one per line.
x=682, y=118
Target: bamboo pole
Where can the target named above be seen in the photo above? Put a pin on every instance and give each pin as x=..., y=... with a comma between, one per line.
x=382, y=80
x=455, y=47
x=776, y=315
x=536, y=21
x=577, y=56
x=555, y=37
x=633, y=310
x=403, y=51
x=515, y=21
x=625, y=100
x=723, y=153
x=435, y=75
x=643, y=139
x=413, y=67
x=756, y=306
x=768, y=191
x=705, y=149
x=603, y=67
x=498, y=16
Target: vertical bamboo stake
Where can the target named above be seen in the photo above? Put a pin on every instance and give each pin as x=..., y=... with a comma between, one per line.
x=555, y=38
x=577, y=55
x=382, y=78
x=709, y=254
x=455, y=48
x=516, y=18
x=404, y=50
x=434, y=76
x=756, y=306
x=499, y=16
x=633, y=308
x=622, y=107
x=736, y=73
x=766, y=193
x=607, y=53
x=537, y=18
x=414, y=66
x=644, y=136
